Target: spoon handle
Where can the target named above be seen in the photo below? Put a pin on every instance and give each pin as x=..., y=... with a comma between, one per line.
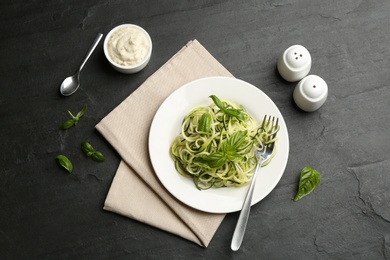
x=94, y=44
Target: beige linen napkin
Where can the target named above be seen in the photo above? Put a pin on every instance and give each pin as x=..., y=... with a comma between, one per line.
x=136, y=191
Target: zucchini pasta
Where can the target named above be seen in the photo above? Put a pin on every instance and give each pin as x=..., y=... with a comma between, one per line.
x=216, y=145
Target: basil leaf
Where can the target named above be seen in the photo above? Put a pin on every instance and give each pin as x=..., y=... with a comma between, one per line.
x=309, y=180
x=218, y=102
x=82, y=112
x=234, y=141
x=75, y=119
x=235, y=113
x=98, y=156
x=228, y=111
x=233, y=156
x=89, y=151
x=65, y=162
x=87, y=148
x=67, y=124
x=205, y=123
x=211, y=161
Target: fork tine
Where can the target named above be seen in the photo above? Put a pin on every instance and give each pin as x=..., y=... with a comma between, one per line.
x=274, y=126
x=263, y=123
x=271, y=122
x=266, y=122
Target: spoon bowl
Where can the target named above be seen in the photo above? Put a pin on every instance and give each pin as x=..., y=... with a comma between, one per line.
x=72, y=83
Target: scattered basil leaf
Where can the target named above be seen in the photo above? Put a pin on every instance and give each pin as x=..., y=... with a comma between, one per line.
x=90, y=151
x=87, y=148
x=205, y=123
x=67, y=124
x=82, y=112
x=309, y=180
x=75, y=119
x=98, y=157
x=65, y=162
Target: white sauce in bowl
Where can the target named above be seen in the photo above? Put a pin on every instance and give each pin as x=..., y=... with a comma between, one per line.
x=128, y=46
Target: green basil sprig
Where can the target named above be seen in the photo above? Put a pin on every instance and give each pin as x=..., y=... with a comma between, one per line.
x=75, y=119
x=228, y=111
x=228, y=153
x=65, y=162
x=90, y=151
x=234, y=141
x=211, y=161
x=309, y=180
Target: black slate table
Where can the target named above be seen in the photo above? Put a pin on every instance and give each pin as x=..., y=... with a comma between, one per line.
x=49, y=214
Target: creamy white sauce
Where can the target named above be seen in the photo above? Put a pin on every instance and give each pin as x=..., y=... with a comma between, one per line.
x=128, y=46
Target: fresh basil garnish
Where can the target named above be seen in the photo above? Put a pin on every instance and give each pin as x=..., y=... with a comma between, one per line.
x=65, y=163
x=233, y=156
x=211, y=161
x=81, y=112
x=234, y=141
x=228, y=111
x=204, y=124
x=217, y=102
x=309, y=180
x=228, y=152
x=98, y=156
x=90, y=151
x=87, y=148
x=75, y=119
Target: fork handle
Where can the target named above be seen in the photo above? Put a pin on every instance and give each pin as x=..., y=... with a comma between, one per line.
x=239, y=231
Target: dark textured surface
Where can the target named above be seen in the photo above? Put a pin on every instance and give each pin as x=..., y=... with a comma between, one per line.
x=48, y=214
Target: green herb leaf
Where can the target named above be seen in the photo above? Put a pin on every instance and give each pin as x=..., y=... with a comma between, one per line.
x=82, y=112
x=218, y=102
x=75, y=119
x=65, y=162
x=87, y=148
x=235, y=113
x=309, y=180
x=67, y=124
x=98, y=157
x=228, y=111
x=205, y=123
x=211, y=161
x=90, y=151
x=234, y=141
x=233, y=156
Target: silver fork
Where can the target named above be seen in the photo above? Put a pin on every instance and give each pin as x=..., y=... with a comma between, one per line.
x=261, y=156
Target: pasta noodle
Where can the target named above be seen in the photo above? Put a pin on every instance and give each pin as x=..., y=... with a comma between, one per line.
x=216, y=145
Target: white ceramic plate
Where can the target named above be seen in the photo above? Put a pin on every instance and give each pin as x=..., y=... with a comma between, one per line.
x=166, y=126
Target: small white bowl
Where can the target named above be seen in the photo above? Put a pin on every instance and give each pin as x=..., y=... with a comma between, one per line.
x=310, y=93
x=294, y=63
x=131, y=68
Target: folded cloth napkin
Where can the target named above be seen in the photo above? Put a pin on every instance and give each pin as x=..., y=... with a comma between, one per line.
x=136, y=191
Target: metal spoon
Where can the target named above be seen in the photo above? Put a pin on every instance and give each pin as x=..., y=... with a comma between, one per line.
x=72, y=83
